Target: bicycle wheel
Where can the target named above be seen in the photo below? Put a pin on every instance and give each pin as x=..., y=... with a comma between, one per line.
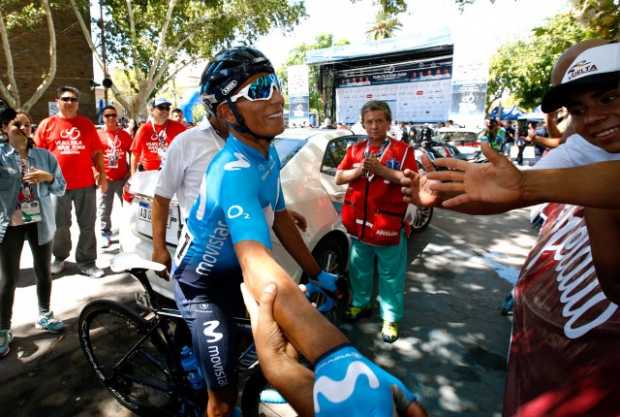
x=130, y=360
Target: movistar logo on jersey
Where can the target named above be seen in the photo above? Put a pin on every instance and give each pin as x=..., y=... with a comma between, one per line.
x=338, y=391
x=210, y=333
x=241, y=163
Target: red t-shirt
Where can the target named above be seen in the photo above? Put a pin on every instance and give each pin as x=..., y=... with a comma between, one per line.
x=564, y=353
x=73, y=142
x=152, y=139
x=115, y=145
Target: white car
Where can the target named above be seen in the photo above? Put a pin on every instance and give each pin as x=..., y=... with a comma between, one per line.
x=309, y=159
x=465, y=140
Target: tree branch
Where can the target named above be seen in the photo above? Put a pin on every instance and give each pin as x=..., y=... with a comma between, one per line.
x=12, y=97
x=178, y=69
x=89, y=41
x=132, y=36
x=49, y=77
x=161, y=44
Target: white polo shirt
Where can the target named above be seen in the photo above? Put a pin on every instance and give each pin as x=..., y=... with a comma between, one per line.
x=186, y=161
x=576, y=151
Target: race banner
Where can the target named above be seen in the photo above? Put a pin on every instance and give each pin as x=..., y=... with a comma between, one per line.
x=298, y=94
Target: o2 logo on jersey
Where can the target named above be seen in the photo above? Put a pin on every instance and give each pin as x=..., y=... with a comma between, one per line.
x=210, y=333
x=237, y=211
x=242, y=162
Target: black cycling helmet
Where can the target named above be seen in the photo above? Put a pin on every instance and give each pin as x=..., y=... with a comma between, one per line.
x=225, y=73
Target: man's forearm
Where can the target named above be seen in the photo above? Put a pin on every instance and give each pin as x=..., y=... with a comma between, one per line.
x=391, y=175
x=552, y=142
x=159, y=219
x=99, y=163
x=307, y=329
x=295, y=382
x=346, y=176
x=590, y=186
x=604, y=234
x=133, y=164
x=478, y=208
x=288, y=233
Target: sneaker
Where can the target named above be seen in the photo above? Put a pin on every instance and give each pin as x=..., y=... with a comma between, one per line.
x=354, y=313
x=389, y=331
x=57, y=267
x=106, y=241
x=6, y=337
x=49, y=323
x=91, y=271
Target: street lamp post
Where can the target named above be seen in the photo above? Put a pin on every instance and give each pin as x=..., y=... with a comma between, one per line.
x=103, y=55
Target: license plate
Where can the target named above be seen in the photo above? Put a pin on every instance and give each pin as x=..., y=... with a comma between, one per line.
x=145, y=227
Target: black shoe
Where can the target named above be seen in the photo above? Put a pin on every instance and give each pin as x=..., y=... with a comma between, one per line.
x=91, y=271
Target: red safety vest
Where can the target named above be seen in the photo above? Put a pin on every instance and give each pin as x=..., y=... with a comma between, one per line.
x=373, y=208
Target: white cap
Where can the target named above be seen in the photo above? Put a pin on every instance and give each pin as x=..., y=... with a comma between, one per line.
x=597, y=65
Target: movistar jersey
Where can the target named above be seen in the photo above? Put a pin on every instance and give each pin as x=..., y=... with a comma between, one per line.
x=238, y=197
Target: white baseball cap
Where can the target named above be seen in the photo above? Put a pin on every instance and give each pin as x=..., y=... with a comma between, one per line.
x=159, y=101
x=594, y=66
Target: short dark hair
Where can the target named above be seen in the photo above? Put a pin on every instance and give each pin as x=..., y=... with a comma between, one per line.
x=377, y=105
x=177, y=110
x=6, y=113
x=109, y=107
x=67, y=88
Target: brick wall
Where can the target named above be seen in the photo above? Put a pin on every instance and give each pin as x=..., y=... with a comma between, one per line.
x=31, y=60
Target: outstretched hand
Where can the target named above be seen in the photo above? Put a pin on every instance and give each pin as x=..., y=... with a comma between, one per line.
x=417, y=186
x=497, y=181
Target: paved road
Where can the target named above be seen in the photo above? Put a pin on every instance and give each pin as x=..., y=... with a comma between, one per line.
x=453, y=345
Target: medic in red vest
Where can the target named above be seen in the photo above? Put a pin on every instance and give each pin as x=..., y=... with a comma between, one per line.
x=373, y=214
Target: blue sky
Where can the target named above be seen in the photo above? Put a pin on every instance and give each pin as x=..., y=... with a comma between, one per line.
x=504, y=20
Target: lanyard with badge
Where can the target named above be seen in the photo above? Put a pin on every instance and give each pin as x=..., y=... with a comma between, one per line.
x=113, y=149
x=27, y=201
x=161, y=139
x=379, y=154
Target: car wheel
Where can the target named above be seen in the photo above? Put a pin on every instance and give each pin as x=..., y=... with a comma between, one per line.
x=422, y=219
x=332, y=257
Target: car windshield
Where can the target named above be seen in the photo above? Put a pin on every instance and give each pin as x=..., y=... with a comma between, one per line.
x=456, y=136
x=287, y=148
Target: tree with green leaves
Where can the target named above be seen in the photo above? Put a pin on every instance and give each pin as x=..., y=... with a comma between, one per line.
x=385, y=26
x=523, y=68
x=297, y=56
x=15, y=16
x=600, y=16
x=151, y=41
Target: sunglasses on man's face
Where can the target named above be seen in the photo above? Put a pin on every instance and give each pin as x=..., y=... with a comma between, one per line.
x=163, y=108
x=69, y=99
x=109, y=115
x=259, y=90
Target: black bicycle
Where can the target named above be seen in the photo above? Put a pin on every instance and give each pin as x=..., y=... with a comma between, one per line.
x=137, y=357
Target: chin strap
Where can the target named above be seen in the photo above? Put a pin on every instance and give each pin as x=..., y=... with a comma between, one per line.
x=240, y=126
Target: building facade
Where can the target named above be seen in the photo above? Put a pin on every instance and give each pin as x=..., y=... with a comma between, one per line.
x=30, y=49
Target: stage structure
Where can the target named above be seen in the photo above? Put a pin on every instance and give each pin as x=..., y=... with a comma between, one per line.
x=412, y=75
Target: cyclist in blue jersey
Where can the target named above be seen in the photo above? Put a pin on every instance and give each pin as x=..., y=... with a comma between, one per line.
x=226, y=240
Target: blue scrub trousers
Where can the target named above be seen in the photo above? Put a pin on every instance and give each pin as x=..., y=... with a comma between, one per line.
x=392, y=267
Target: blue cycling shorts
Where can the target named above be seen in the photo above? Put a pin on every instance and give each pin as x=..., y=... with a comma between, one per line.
x=209, y=314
